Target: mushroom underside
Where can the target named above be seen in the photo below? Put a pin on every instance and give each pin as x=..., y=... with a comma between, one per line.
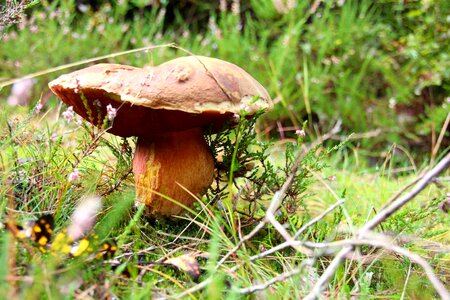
x=134, y=120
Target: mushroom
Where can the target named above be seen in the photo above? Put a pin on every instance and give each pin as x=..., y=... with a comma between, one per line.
x=167, y=107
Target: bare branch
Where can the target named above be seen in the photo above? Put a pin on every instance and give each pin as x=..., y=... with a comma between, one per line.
x=195, y=288
x=265, y=285
x=294, y=243
x=375, y=242
x=278, y=197
x=441, y=137
x=241, y=242
x=380, y=217
x=396, y=205
x=379, y=243
x=401, y=191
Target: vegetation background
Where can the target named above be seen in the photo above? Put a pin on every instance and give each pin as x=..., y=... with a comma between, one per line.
x=370, y=76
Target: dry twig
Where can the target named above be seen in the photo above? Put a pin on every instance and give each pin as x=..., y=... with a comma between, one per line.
x=436, y=147
x=379, y=243
x=265, y=285
x=379, y=218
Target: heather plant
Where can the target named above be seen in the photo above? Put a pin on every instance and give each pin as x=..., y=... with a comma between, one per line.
x=12, y=12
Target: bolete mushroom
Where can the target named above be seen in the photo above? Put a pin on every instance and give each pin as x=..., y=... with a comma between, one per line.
x=166, y=107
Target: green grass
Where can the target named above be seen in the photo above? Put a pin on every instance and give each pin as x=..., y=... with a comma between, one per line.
x=372, y=65
x=421, y=226
x=365, y=64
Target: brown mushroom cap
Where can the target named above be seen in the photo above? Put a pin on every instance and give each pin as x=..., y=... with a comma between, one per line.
x=183, y=93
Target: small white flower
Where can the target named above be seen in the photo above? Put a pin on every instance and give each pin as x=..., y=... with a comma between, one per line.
x=300, y=132
x=79, y=121
x=223, y=5
x=111, y=111
x=235, y=8
x=38, y=107
x=101, y=28
x=392, y=103
x=74, y=175
x=236, y=118
x=245, y=108
x=68, y=115
x=55, y=14
x=124, y=27
x=83, y=7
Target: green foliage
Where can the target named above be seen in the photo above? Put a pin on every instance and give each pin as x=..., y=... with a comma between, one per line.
x=12, y=11
x=369, y=64
x=41, y=182
x=380, y=64
x=38, y=161
x=247, y=175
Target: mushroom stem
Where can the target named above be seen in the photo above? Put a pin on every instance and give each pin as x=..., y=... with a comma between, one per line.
x=169, y=164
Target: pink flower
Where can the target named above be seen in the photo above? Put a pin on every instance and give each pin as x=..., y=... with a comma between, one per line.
x=38, y=107
x=300, y=132
x=83, y=218
x=68, y=115
x=74, y=175
x=21, y=92
x=111, y=111
x=79, y=121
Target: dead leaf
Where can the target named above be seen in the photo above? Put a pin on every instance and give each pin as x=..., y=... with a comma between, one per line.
x=186, y=262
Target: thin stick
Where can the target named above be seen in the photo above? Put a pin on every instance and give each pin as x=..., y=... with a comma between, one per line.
x=293, y=243
x=401, y=191
x=278, y=197
x=190, y=291
x=265, y=285
x=81, y=62
x=440, y=138
x=408, y=275
x=241, y=242
x=396, y=205
x=318, y=218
